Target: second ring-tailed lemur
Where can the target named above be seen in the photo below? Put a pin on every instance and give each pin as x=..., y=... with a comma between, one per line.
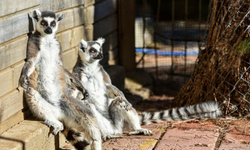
x=50, y=88
x=109, y=104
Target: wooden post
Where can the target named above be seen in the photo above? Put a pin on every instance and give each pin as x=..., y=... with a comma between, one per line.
x=126, y=24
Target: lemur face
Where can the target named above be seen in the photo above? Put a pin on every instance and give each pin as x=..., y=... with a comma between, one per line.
x=92, y=50
x=46, y=21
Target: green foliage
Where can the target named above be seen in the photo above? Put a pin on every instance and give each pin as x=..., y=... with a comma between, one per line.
x=243, y=47
x=163, y=129
x=240, y=115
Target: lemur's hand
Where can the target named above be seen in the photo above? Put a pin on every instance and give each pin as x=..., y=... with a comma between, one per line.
x=128, y=105
x=121, y=103
x=126, y=102
x=24, y=81
x=85, y=94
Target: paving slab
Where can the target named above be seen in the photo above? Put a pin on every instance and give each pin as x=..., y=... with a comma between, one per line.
x=239, y=127
x=169, y=135
x=207, y=126
x=187, y=140
x=130, y=144
x=235, y=142
x=135, y=142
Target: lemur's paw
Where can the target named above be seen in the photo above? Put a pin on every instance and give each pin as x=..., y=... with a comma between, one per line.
x=128, y=106
x=58, y=126
x=85, y=94
x=141, y=131
x=24, y=81
x=57, y=129
x=30, y=91
x=89, y=105
x=109, y=137
x=119, y=102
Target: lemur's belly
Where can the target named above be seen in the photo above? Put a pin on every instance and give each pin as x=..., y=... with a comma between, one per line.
x=48, y=76
x=97, y=92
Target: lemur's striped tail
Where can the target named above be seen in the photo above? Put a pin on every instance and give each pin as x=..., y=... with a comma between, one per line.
x=204, y=110
x=75, y=138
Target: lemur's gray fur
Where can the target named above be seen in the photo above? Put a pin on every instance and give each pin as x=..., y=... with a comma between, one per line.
x=107, y=103
x=51, y=89
x=110, y=106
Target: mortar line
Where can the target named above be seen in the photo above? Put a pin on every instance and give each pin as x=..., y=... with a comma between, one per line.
x=162, y=134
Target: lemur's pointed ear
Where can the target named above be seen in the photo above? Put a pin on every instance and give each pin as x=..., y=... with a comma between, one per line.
x=59, y=16
x=83, y=44
x=36, y=14
x=100, y=41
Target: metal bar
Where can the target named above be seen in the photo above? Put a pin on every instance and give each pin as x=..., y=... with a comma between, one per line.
x=186, y=22
x=144, y=31
x=155, y=39
x=172, y=42
x=199, y=32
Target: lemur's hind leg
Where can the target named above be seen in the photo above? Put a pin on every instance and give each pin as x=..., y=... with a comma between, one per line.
x=92, y=134
x=133, y=120
x=105, y=125
x=43, y=110
x=121, y=111
x=87, y=128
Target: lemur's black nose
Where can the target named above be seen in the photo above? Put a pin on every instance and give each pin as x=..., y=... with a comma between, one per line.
x=99, y=56
x=48, y=30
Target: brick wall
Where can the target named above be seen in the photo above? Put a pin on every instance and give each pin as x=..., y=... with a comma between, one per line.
x=88, y=19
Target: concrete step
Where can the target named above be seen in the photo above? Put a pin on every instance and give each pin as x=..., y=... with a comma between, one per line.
x=31, y=135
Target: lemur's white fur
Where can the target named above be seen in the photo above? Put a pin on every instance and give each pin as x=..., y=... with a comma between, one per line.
x=107, y=103
x=51, y=88
x=100, y=41
x=48, y=65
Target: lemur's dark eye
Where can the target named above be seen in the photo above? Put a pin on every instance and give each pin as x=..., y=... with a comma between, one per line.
x=92, y=50
x=43, y=23
x=53, y=24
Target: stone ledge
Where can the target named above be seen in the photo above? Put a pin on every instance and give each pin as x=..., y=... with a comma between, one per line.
x=29, y=135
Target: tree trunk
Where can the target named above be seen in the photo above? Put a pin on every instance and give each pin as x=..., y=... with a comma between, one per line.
x=223, y=70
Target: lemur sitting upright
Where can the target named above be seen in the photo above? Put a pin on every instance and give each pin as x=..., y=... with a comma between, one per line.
x=110, y=106
x=50, y=88
x=108, y=103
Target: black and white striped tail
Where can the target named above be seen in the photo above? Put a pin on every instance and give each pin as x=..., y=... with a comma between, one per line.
x=75, y=139
x=204, y=110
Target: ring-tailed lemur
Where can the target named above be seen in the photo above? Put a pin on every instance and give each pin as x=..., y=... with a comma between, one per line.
x=109, y=104
x=50, y=88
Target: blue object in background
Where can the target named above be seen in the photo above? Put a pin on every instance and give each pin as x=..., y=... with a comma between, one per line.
x=164, y=53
